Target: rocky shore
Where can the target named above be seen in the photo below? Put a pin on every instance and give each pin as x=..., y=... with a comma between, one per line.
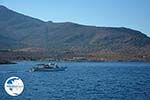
x=7, y=62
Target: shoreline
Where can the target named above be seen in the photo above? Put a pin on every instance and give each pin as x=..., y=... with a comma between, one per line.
x=7, y=62
x=16, y=61
x=84, y=60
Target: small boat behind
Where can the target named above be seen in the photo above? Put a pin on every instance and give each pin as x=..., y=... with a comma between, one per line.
x=47, y=67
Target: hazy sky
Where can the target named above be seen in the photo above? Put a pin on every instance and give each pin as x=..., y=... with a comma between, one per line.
x=133, y=14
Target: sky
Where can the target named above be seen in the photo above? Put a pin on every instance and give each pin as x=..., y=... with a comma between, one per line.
x=133, y=14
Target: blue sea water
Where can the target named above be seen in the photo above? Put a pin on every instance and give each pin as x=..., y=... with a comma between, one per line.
x=81, y=81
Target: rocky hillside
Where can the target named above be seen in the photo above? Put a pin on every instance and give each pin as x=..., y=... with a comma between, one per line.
x=21, y=32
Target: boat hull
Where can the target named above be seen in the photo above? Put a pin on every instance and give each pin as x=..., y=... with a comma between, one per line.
x=47, y=69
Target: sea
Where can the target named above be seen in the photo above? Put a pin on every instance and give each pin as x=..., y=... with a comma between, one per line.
x=80, y=81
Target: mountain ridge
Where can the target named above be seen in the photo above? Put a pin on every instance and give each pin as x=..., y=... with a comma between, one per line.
x=18, y=31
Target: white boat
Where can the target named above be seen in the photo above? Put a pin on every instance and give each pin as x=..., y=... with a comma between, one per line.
x=47, y=67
